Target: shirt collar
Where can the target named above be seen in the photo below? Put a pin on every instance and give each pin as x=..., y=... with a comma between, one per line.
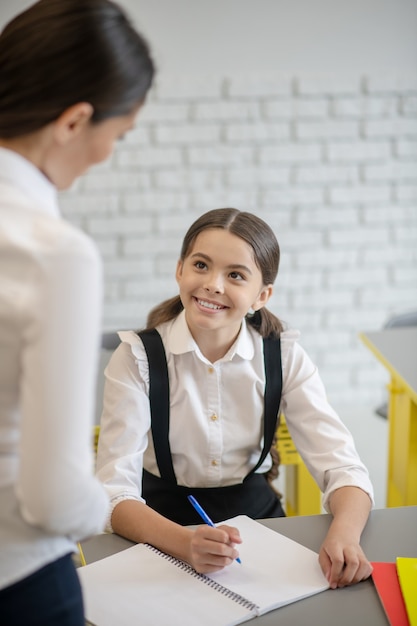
x=180, y=340
x=25, y=176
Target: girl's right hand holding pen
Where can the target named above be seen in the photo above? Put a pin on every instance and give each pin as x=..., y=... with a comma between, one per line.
x=213, y=549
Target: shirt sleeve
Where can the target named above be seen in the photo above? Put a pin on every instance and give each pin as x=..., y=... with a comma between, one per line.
x=125, y=422
x=56, y=487
x=323, y=441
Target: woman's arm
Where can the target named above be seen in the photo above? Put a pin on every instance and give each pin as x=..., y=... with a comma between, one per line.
x=56, y=488
x=206, y=549
x=341, y=556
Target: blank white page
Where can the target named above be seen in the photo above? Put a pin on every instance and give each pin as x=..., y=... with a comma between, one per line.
x=275, y=570
x=139, y=586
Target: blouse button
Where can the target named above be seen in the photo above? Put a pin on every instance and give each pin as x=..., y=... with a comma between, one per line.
x=214, y=463
x=211, y=370
x=213, y=417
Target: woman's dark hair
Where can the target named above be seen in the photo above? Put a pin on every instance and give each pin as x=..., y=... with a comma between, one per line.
x=60, y=52
x=262, y=240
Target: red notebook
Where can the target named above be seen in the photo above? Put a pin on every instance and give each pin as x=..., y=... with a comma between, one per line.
x=386, y=582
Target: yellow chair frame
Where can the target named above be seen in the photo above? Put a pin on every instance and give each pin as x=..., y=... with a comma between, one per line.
x=302, y=495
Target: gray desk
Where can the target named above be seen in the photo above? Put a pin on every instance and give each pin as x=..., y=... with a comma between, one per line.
x=389, y=533
x=396, y=348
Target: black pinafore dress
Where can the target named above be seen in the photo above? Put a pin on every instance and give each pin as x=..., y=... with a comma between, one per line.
x=253, y=497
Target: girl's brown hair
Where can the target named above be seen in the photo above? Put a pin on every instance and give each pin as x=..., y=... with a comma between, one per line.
x=262, y=240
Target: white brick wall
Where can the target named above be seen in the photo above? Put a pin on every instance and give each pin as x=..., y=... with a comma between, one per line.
x=328, y=161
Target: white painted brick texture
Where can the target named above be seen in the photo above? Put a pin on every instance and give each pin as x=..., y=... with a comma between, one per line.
x=330, y=161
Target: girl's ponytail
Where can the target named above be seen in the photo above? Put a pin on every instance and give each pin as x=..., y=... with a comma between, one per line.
x=265, y=322
x=164, y=312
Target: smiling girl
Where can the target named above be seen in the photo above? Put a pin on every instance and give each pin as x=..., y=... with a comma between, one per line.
x=201, y=423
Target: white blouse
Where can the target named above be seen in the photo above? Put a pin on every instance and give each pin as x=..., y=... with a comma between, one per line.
x=50, y=319
x=216, y=410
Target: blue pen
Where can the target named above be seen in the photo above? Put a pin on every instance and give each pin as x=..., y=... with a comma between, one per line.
x=204, y=515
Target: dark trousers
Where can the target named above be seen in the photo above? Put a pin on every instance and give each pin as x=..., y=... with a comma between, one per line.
x=50, y=596
x=254, y=498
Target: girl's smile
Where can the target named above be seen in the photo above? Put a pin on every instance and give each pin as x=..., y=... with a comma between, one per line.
x=209, y=306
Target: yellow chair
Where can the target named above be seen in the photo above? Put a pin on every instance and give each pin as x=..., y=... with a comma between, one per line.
x=96, y=434
x=302, y=495
x=79, y=558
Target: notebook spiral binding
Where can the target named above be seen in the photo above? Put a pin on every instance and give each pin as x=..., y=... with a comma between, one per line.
x=205, y=579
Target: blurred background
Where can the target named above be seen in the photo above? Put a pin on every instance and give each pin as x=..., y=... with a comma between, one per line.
x=303, y=112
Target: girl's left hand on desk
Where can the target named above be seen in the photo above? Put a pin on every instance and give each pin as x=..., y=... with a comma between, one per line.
x=343, y=563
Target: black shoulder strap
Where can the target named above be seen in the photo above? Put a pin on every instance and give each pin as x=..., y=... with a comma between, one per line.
x=159, y=401
x=272, y=398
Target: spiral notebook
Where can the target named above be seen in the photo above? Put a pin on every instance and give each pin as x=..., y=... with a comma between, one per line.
x=142, y=585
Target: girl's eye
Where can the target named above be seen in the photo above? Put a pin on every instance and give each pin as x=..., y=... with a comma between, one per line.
x=236, y=276
x=200, y=265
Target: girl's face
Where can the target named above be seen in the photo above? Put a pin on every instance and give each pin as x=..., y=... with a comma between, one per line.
x=219, y=283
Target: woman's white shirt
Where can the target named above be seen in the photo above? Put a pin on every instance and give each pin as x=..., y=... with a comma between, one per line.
x=216, y=411
x=50, y=320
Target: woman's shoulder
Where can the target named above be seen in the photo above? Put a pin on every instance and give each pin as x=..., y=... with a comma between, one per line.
x=63, y=239
x=46, y=236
